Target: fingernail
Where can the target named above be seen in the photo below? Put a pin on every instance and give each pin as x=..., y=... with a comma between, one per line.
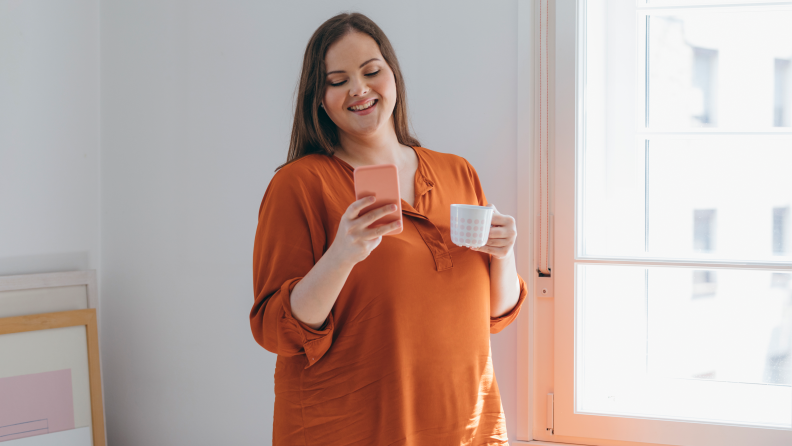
x=372, y=199
x=393, y=207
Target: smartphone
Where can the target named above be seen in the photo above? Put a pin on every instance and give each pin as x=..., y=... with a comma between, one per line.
x=382, y=182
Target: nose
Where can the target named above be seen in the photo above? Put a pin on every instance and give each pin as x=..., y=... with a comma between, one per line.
x=358, y=88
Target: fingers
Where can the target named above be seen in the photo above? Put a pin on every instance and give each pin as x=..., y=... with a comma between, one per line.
x=502, y=236
x=499, y=232
x=379, y=231
x=357, y=226
x=499, y=242
x=502, y=220
x=503, y=227
x=374, y=215
x=354, y=209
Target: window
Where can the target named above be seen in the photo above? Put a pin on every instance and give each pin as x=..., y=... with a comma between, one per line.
x=704, y=284
x=778, y=362
x=705, y=65
x=780, y=280
x=704, y=230
x=782, y=94
x=781, y=231
x=672, y=320
x=683, y=75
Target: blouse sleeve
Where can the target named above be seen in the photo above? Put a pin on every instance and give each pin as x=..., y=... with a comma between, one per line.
x=289, y=241
x=498, y=323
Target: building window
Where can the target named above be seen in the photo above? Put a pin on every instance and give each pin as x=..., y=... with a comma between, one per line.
x=704, y=230
x=705, y=65
x=781, y=231
x=683, y=76
x=782, y=94
x=780, y=280
x=704, y=284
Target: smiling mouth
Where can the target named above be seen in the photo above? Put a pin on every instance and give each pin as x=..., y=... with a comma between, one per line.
x=364, y=106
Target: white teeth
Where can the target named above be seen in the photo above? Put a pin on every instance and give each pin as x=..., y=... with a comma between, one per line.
x=362, y=106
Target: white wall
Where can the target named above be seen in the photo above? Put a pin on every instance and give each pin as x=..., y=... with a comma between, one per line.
x=49, y=136
x=196, y=115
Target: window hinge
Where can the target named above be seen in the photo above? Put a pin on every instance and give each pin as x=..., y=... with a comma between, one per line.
x=550, y=413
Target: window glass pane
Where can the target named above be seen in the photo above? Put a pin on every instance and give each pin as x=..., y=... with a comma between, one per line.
x=720, y=198
x=612, y=180
x=686, y=155
x=684, y=343
x=719, y=68
x=700, y=197
x=734, y=65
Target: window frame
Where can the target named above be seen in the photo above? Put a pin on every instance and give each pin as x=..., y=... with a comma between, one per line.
x=545, y=361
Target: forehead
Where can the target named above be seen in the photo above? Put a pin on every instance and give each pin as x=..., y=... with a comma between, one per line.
x=350, y=51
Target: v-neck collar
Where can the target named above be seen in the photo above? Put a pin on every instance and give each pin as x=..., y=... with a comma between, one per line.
x=428, y=231
x=422, y=183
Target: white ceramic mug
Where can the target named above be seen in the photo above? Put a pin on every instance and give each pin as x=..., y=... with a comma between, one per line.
x=470, y=225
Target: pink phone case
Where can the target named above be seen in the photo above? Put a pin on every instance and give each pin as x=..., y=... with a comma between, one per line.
x=381, y=181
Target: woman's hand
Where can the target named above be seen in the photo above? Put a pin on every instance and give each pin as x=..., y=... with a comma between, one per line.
x=502, y=236
x=354, y=240
x=314, y=296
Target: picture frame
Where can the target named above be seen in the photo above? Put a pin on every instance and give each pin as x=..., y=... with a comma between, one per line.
x=85, y=319
x=47, y=293
x=50, y=376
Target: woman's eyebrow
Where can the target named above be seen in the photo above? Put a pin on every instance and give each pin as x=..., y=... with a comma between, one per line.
x=361, y=66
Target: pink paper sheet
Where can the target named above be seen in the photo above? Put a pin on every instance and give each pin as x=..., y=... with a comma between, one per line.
x=35, y=404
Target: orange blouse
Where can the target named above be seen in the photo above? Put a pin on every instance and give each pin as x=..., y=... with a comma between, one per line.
x=404, y=357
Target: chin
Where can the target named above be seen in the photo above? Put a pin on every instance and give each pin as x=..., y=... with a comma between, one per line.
x=367, y=130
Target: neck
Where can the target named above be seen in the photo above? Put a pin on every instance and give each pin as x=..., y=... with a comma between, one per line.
x=379, y=148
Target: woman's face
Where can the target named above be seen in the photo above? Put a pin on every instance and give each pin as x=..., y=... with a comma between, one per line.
x=360, y=92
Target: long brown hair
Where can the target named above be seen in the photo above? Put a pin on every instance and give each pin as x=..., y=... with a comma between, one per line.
x=313, y=131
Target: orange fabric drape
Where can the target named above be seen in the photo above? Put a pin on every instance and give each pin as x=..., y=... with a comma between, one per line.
x=404, y=357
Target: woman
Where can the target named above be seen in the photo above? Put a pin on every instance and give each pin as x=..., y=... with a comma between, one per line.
x=380, y=340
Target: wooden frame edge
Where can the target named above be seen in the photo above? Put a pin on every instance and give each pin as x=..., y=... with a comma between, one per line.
x=74, y=318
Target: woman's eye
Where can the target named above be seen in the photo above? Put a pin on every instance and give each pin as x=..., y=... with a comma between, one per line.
x=338, y=84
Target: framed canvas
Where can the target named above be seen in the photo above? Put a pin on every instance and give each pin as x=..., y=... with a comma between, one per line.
x=50, y=379
x=47, y=293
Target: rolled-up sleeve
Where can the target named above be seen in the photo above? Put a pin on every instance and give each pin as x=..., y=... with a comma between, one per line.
x=499, y=323
x=290, y=239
